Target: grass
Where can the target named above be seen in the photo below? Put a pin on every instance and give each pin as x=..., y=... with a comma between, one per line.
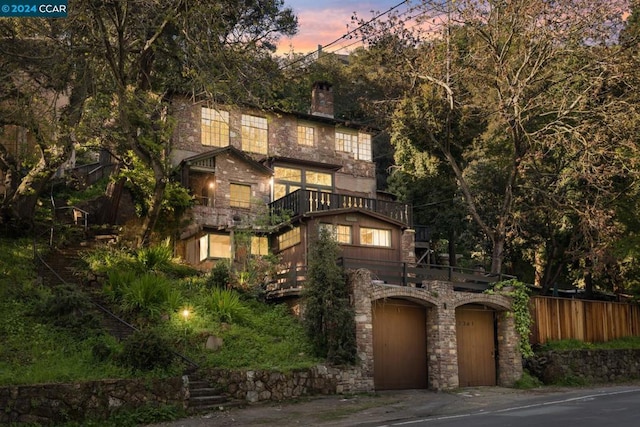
x=35, y=350
x=573, y=344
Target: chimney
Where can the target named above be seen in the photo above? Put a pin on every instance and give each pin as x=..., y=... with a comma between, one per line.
x=322, y=99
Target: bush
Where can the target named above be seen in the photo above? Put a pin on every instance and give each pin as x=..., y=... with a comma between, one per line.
x=220, y=275
x=149, y=295
x=146, y=351
x=225, y=305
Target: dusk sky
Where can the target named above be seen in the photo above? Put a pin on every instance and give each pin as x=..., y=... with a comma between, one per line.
x=322, y=21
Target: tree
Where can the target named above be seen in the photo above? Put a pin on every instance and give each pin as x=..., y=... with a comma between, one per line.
x=40, y=71
x=328, y=315
x=520, y=75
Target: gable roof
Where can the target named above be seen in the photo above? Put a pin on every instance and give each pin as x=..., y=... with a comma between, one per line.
x=229, y=149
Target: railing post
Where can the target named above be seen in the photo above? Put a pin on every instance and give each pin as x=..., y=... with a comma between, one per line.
x=404, y=274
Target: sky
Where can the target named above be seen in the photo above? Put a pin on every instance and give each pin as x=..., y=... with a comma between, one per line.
x=320, y=22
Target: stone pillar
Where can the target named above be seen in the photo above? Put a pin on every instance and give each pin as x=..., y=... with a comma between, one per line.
x=409, y=246
x=361, y=285
x=509, y=357
x=442, y=350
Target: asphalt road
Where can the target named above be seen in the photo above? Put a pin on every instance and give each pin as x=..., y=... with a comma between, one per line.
x=616, y=407
x=601, y=406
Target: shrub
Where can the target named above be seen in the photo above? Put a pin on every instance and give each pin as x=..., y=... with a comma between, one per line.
x=148, y=295
x=329, y=318
x=225, y=305
x=146, y=351
x=220, y=275
x=155, y=258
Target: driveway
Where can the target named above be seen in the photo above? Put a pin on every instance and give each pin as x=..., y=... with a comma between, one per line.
x=385, y=408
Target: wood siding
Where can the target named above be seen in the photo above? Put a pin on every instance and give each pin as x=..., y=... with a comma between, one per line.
x=590, y=321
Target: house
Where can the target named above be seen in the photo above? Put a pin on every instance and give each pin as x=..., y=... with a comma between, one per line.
x=247, y=166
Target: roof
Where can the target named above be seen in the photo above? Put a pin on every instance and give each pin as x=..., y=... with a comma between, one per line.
x=367, y=212
x=231, y=150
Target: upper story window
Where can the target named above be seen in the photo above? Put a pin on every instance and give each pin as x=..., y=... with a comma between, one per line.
x=375, y=237
x=341, y=233
x=287, y=180
x=214, y=127
x=254, y=134
x=288, y=239
x=306, y=135
x=240, y=196
x=358, y=144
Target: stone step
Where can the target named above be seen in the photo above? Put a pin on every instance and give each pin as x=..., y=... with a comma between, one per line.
x=200, y=401
x=202, y=392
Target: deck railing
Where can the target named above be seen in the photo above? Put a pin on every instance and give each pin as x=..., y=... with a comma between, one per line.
x=301, y=202
x=397, y=274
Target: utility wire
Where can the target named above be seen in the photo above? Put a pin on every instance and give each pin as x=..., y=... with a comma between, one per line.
x=391, y=9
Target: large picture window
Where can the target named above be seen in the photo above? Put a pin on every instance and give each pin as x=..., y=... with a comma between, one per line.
x=287, y=180
x=214, y=127
x=240, y=196
x=254, y=134
x=375, y=237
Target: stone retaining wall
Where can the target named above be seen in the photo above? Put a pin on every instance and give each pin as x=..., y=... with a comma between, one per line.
x=589, y=366
x=55, y=403
x=260, y=385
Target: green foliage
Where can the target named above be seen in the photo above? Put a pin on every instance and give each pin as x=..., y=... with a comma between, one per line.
x=146, y=351
x=70, y=309
x=225, y=305
x=220, y=275
x=127, y=417
x=519, y=293
x=149, y=294
x=328, y=315
x=573, y=344
x=16, y=266
x=527, y=382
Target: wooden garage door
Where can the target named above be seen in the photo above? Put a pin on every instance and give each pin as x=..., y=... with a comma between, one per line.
x=476, y=346
x=399, y=345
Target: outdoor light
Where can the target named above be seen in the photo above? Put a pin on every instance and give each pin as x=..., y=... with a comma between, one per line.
x=185, y=313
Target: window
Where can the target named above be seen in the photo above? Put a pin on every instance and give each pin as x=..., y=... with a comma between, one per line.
x=288, y=239
x=214, y=127
x=305, y=135
x=254, y=134
x=215, y=246
x=341, y=233
x=240, y=196
x=259, y=245
x=359, y=145
x=288, y=180
x=364, y=147
x=345, y=141
x=375, y=237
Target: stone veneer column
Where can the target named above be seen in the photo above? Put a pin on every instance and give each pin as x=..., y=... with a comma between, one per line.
x=361, y=281
x=409, y=246
x=509, y=357
x=442, y=350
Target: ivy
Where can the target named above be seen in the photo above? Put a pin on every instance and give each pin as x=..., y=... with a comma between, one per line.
x=519, y=293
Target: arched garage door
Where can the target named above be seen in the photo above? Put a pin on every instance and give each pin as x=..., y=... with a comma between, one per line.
x=399, y=345
x=475, y=333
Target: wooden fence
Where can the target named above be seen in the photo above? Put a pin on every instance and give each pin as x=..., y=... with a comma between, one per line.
x=590, y=321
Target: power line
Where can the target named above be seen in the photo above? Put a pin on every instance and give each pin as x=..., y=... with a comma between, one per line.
x=391, y=9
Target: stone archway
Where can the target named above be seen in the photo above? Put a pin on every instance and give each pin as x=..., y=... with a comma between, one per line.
x=442, y=301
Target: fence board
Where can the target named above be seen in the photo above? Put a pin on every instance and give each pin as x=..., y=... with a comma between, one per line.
x=591, y=321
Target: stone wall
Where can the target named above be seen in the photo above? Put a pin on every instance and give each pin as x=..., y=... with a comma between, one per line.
x=585, y=366
x=56, y=403
x=261, y=385
x=48, y=404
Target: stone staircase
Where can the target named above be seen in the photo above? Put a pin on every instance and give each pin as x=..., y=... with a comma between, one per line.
x=204, y=398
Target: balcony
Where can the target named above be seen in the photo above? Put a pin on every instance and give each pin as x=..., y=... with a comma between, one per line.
x=301, y=202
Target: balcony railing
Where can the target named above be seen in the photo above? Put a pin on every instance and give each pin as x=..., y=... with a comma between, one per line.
x=301, y=202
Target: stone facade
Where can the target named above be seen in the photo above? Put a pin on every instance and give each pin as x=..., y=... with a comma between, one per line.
x=441, y=302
